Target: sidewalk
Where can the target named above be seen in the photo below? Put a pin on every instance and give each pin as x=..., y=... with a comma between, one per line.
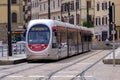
x=15, y=59
x=105, y=70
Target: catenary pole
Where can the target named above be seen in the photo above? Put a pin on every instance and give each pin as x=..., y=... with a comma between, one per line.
x=9, y=29
x=49, y=16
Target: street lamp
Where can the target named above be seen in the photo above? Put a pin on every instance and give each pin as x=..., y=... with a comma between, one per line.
x=9, y=29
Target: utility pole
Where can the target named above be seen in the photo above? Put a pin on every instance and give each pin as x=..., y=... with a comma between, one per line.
x=87, y=13
x=76, y=12
x=61, y=9
x=9, y=29
x=110, y=17
x=49, y=9
x=80, y=11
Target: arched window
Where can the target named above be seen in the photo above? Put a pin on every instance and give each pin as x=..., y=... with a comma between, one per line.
x=14, y=1
x=14, y=17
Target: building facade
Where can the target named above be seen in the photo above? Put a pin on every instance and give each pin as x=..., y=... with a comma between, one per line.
x=40, y=9
x=64, y=10
x=16, y=17
x=26, y=12
x=101, y=21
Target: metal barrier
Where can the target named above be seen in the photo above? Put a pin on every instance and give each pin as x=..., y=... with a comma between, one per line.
x=1, y=50
x=19, y=48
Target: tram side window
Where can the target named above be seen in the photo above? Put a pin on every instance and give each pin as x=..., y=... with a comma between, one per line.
x=72, y=37
x=85, y=38
x=54, y=39
x=79, y=38
x=90, y=38
x=63, y=38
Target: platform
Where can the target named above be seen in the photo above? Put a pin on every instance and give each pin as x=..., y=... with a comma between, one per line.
x=15, y=59
x=109, y=58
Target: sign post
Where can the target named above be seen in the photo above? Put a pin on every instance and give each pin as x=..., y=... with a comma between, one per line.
x=113, y=32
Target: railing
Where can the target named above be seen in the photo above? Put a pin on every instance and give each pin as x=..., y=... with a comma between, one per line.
x=19, y=48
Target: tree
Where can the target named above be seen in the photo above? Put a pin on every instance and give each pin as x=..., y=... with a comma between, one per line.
x=90, y=24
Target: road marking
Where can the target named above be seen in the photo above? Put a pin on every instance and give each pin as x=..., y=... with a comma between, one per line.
x=66, y=76
x=36, y=76
x=88, y=76
x=15, y=76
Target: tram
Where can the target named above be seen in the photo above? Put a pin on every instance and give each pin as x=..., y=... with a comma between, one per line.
x=53, y=40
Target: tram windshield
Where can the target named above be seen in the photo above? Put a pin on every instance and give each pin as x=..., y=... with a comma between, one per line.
x=39, y=34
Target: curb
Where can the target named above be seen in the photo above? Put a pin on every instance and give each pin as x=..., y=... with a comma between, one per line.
x=10, y=62
x=110, y=61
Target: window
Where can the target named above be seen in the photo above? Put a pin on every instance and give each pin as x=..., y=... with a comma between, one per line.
x=53, y=4
x=44, y=7
x=102, y=20
x=106, y=20
x=40, y=7
x=77, y=4
x=102, y=6
x=54, y=17
x=98, y=7
x=58, y=3
x=14, y=17
x=72, y=5
x=14, y=1
x=89, y=4
x=99, y=21
x=106, y=5
x=96, y=21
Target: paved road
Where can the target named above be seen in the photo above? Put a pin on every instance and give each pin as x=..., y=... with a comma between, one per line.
x=61, y=70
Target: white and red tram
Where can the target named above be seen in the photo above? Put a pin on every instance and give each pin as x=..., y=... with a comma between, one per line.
x=51, y=39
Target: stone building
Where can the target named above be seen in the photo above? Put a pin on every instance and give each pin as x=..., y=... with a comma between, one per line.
x=16, y=17
x=101, y=21
x=59, y=10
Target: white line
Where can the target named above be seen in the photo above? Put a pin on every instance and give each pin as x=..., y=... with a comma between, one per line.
x=64, y=76
x=15, y=76
x=36, y=76
x=88, y=76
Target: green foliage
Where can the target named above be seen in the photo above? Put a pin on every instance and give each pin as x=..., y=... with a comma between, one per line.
x=90, y=24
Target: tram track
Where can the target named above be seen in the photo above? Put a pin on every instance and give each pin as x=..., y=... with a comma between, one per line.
x=44, y=71
x=81, y=75
x=49, y=76
x=1, y=77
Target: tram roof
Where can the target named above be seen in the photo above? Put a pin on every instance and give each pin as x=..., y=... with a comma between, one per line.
x=51, y=22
